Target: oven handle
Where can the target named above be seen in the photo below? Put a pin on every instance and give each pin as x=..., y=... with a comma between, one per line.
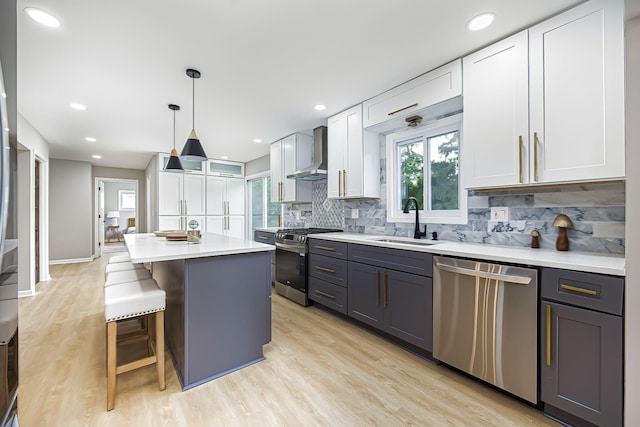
x=290, y=248
x=485, y=275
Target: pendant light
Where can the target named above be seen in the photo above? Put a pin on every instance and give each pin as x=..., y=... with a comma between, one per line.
x=192, y=149
x=174, y=164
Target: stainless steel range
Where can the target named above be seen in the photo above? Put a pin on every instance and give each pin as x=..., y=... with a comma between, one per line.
x=291, y=262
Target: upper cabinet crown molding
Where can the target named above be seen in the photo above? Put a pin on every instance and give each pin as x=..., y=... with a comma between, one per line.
x=547, y=104
x=426, y=96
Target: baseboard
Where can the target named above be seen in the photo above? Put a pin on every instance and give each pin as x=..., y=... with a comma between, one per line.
x=28, y=293
x=70, y=261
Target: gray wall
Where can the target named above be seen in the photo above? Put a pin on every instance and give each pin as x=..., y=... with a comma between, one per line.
x=111, y=201
x=261, y=164
x=70, y=210
x=30, y=138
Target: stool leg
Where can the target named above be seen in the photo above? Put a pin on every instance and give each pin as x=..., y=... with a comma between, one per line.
x=112, y=332
x=159, y=326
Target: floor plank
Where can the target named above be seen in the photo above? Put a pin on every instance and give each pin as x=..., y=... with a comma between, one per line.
x=319, y=371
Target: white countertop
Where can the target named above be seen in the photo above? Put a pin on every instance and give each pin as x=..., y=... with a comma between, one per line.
x=570, y=260
x=147, y=247
x=268, y=229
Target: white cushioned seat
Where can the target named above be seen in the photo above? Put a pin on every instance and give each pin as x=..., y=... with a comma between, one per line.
x=119, y=258
x=122, y=266
x=132, y=299
x=8, y=320
x=118, y=277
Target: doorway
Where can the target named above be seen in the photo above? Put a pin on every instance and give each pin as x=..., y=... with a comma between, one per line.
x=116, y=213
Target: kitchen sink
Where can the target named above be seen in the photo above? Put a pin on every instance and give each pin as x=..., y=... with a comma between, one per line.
x=410, y=241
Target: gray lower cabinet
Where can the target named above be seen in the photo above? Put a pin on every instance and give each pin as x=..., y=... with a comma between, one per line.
x=269, y=238
x=328, y=274
x=396, y=302
x=582, y=348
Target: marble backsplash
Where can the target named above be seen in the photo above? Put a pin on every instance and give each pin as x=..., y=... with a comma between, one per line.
x=597, y=211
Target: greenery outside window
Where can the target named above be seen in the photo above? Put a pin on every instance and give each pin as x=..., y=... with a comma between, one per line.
x=262, y=213
x=425, y=163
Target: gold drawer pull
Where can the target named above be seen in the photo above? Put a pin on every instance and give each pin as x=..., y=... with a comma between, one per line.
x=521, y=178
x=326, y=248
x=324, y=294
x=402, y=109
x=377, y=288
x=548, y=335
x=581, y=290
x=263, y=238
x=328, y=270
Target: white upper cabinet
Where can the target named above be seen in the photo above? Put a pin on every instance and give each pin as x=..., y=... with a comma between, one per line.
x=225, y=206
x=353, y=169
x=225, y=168
x=170, y=193
x=194, y=194
x=190, y=166
x=546, y=105
x=412, y=97
x=287, y=156
x=576, y=63
x=496, y=114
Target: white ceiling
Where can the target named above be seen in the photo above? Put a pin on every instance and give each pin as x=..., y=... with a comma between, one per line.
x=264, y=65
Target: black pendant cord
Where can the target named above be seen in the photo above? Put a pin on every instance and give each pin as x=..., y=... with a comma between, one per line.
x=193, y=103
x=174, y=129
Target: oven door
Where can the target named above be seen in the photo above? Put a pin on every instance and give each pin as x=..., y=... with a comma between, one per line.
x=291, y=266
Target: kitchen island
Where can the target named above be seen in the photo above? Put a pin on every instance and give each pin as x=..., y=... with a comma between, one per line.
x=218, y=311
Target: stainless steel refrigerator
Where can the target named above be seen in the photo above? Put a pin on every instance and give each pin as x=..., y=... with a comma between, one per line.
x=8, y=270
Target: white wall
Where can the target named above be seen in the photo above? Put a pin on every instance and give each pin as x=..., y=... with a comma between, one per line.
x=31, y=139
x=632, y=232
x=70, y=211
x=258, y=165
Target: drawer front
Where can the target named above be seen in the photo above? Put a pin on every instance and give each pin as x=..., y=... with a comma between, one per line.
x=588, y=290
x=420, y=263
x=264, y=237
x=328, y=294
x=332, y=270
x=328, y=248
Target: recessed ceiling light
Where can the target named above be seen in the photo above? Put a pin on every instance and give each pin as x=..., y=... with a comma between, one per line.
x=257, y=140
x=77, y=106
x=90, y=139
x=42, y=17
x=224, y=157
x=480, y=22
x=96, y=156
x=320, y=107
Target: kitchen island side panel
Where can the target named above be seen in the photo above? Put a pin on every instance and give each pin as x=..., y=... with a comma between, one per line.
x=227, y=314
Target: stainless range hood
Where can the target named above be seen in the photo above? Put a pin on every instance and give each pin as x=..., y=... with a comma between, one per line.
x=318, y=168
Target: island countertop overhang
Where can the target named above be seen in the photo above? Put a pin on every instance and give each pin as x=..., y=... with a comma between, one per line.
x=147, y=247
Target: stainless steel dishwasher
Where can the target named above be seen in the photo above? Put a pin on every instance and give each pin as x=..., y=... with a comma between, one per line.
x=485, y=319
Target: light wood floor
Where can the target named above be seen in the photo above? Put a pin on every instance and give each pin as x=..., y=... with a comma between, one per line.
x=319, y=371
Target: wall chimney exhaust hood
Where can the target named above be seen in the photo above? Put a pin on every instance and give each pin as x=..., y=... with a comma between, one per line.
x=318, y=168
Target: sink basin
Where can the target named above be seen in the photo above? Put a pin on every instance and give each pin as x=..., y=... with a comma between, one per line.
x=409, y=241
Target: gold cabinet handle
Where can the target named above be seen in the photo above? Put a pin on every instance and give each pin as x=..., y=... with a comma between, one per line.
x=324, y=294
x=339, y=183
x=548, y=335
x=577, y=289
x=377, y=288
x=325, y=248
x=402, y=109
x=263, y=238
x=328, y=270
x=535, y=156
x=386, y=300
x=279, y=220
x=344, y=183
x=520, y=157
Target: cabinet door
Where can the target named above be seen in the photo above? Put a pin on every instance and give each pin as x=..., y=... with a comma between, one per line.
x=581, y=370
x=194, y=194
x=288, y=167
x=235, y=196
x=496, y=114
x=336, y=149
x=409, y=307
x=215, y=224
x=235, y=226
x=365, y=294
x=577, y=94
x=170, y=193
x=275, y=158
x=215, y=195
x=170, y=223
x=353, y=174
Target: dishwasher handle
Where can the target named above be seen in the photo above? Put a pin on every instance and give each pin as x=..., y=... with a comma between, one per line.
x=520, y=280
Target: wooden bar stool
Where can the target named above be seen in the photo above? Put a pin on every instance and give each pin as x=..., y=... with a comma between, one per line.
x=119, y=258
x=127, y=301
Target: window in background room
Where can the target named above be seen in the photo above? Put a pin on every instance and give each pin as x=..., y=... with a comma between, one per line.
x=425, y=163
x=263, y=213
x=126, y=200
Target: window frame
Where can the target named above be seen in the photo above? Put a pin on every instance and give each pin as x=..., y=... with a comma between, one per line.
x=265, y=200
x=121, y=194
x=393, y=192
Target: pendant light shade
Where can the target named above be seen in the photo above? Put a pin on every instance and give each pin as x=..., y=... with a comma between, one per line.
x=174, y=164
x=192, y=149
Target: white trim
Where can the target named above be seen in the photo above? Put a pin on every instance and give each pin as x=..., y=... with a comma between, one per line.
x=43, y=205
x=70, y=261
x=98, y=234
x=430, y=217
x=29, y=293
